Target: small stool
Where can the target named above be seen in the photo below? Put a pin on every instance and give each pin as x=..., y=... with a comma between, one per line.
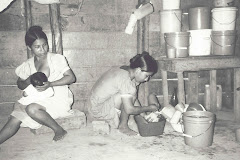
x=75, y=121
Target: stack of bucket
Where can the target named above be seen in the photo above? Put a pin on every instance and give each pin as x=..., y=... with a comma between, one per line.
x=211, y=31
x=176, y=42
x=224, y=17
x=200, y=32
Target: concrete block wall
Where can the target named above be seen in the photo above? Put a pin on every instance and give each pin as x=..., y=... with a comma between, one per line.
x=93, y=41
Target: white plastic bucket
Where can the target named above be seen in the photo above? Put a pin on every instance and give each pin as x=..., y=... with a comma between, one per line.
x=170, y=20
x=198, y=128
x=200, y=42
x=171, y=4
x=224, y=18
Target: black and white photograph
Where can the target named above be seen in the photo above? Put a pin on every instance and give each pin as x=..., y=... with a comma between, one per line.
x=119, y=80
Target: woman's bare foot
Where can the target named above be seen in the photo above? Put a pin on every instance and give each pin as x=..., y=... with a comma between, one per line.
x=59, y=135
x=127, y=131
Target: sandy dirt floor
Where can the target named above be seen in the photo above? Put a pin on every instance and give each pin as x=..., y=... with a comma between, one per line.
x=84, y=144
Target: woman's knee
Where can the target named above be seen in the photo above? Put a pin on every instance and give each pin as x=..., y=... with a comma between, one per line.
x=33, y=109
x=118, y=101
x=14, y=120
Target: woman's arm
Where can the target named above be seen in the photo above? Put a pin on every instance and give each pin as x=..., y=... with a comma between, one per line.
x=22, y=84
x=67, y=79
x=129, y=107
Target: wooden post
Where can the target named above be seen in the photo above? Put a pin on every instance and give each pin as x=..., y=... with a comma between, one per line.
x=28, y=20
x=228, y=89
x=192, y=87
x=140, y=31
x=54, y=13
x=236, y=94
x=165, y=88
x=181, y=92
x=145, y=47
x=143, y=43
x=213, y=91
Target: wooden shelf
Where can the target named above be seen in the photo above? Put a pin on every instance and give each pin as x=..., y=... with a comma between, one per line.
x=194, y=64
x=198, y=63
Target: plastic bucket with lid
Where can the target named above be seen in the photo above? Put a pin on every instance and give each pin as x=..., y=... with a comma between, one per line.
x=224, y=18
x=198, y=128
x=200, y=42
x=170, y=20
x=178, y=41
x=171, y=4
x=223, y=3
x=199, y=18
x=223, y=42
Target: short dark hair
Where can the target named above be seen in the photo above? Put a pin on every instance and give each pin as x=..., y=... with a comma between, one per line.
x=146, y=62
x=33, y=33
x=38, y=78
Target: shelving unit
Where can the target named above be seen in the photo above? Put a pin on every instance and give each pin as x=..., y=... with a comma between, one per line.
x=194, y=64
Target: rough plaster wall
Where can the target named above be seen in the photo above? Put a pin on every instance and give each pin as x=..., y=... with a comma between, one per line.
x=93, y=40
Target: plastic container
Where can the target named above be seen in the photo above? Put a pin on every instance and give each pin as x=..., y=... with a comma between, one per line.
x=199, y=18
x=170, y=20
x=223, y=42
x=224, y=18
x=223, y=3
x=171, y=4
x=147, y=129
x=176, y=117
x=178, y=41
x=168, y=112
x=200, y=42
x=198, y=128
x=139, y=13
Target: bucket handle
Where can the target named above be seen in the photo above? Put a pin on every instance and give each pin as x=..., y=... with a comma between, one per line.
x=178, y=47
x=178, y=19
x=190, y=136
x=227, y=23
x=225, y=45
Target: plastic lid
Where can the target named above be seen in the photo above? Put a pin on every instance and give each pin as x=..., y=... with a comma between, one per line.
x=224, y=9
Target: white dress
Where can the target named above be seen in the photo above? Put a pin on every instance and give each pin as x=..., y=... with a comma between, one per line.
x=59, y=105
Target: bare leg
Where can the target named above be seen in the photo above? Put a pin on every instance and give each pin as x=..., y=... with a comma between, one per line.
x=10, y=129
x=123, y=126
x=38, y=113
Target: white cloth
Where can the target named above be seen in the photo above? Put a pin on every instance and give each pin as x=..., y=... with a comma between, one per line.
x=4, y=4
x=33, y=95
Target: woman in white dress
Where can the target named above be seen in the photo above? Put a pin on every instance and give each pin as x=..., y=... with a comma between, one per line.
x=60, y=76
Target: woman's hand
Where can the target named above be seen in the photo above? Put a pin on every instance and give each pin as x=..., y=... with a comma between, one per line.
x=153, y=108
x=45, y=86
